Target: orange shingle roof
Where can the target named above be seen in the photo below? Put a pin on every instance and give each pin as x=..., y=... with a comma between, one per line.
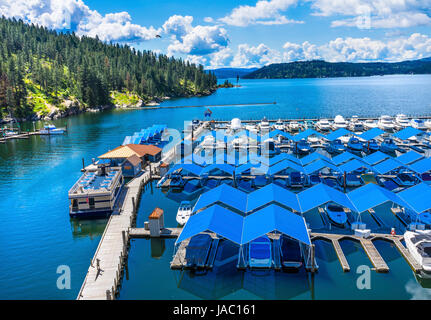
x=129, y=150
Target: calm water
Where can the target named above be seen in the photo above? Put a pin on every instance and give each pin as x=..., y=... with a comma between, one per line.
x=38, y=236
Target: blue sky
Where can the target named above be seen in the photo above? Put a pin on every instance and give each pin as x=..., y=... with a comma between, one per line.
x=246, y=33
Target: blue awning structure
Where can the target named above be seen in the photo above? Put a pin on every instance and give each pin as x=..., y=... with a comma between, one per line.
x=223, y=167
x=225, y=194
x=418, y=197
x=272, y=193
x=421, y=166
x=274, y=160
x=191, y=168
x=344, y=157
x=410, y=157
x=353, y=165
x=276, y=168
x=275, y=133
x=319, y=165
x=321, y=194
x=337, y=134
x=407, y=133
x=387, y=166
x=275, y=218
x=245, y=167
x=372, y=195
x=315, y=156
x=217, y=219
x=375, y=158
x=305, y=134
x=370, y=134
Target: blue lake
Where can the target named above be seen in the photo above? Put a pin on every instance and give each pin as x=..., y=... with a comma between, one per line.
x=35, y=175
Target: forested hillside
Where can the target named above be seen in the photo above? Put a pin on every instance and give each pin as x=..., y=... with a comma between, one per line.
x=323, y=69
x=42, y=70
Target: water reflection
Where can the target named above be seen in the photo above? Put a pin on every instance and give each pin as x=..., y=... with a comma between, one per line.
x=88, y=228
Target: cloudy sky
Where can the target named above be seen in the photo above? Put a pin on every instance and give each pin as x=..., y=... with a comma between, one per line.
x=247, y=33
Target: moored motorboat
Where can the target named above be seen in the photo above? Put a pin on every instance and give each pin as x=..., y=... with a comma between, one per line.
x=296, y=180
x=323, y=125
x=290, y=253
x=388, y=145
x=264, y=125
x=370, y=124
x=336, y=214
x=302, y=147
x=279, y=125
x=401, y=121
x=51, y=129
x=386, y=123
x=335, y=146
x=294, y=126
x=184, y=212
x=371, y=146
x=419, y=245
x=405, y=179
x=354, y=144
x=339, y=122
x=418, y=124
x=260, y=253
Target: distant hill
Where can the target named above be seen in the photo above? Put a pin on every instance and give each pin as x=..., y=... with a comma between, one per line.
x=323, y=69
x=224, y=73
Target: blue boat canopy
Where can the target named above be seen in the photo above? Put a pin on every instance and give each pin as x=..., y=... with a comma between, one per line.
x=224, y=167
x=225, y=194
x=418, y=197
x=272, y=193
x=283, y=165
x=319, y=165
x=275, y=218
x=407, y=133
x=375, y=158
x=217, y=219
x=315, y=156
x=370, y=134
x=353, y=165
x=421, y=166
x=344, y=157
x=387, y=166
x=410, y=157
x=245, y=167
x=337, y=134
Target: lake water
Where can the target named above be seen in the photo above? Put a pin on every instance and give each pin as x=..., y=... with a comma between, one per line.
x=38, y=236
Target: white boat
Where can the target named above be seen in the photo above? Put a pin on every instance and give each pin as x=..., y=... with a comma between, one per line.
x=279, y=125
x=418, y=124
x=51, y=129
x=252, y=128
x=386, y=123
x=419, y=245
x=401, y=121
x=339, y=122
x=356, y=126
x=264, y=125
x=184, y=212
x=294, y=126
x=370, y=124
x=428, y=124
x=323, y=125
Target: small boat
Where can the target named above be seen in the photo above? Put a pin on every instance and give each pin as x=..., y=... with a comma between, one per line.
x=419, y=245
x=252, y=128
x=294, y=126
x=264, y=125
x=290, y=252
x=269, y=147
x=401, y=121
x=370, y=124
x=336, y=214
x=371, y=146
x=405, y=179
x=279, y=125
x=331, y=182
x=302, y=147
x=388, y=145
x=314, y=179
x=354, y=144
x=260, y=253
x=323, y=125
x=177, y=182
x=197, y=251
x=296, y=180
x=386, y=123
x=184, y=212
x=355, y=124
x=352, y=180
x=336, y=146
x=425, y=218
x=51, y=129
x=428, y=124
x=426, y=176
x=418, y=124
x=339, y=122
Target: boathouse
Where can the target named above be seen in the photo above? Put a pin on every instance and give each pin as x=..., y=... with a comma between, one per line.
x=131, y=166
x=146, y=153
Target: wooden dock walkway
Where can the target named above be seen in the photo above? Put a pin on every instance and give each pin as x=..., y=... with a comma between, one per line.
x=374, y=255
x=164, y=233
x=340, y=254
x=104, y=274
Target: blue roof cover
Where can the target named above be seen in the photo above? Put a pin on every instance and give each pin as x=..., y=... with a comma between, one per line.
x=275, y=133
x=344, y=157
x=224, y=167
x=321, y=194
x=409, y=157
x=217, y=219
x=225, y=194
x=319, y=165
x=421, y=166
x=370, y=134
x=353, y=165
x=245, y=167
x=272, y=193
x=372, y=195
x=273, y=160
x=376, y=157
x=418, y=197
x=283, y=165
x=337, y=134
x=387, y=166
x=305, y=134
x=275, y=218
x=407, y=133
x=313, y=157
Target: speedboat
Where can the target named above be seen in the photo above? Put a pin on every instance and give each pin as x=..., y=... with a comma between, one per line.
x=251, y=128
x=418, y=124
x=302, y=147
x=290, y=252
x=356, y=126
x=401, y=121
x=323, y=125
x=419, y=245
x=296, y=180
x=269, y=147
x=177, y=182
x=354, y=144
x=264, y=125
x=184, y=212
x=388, y=145
x=386, y=123
x=352, y=180
x=370, y=124
x=336, y=214
x=335, y=146
x=294, y=126
x=279, y=125
x=51, y=129
x=314, y=179
x=260, y=253
x=331, y=182
x=339, y=122
x=371, y=146
x=405, y=179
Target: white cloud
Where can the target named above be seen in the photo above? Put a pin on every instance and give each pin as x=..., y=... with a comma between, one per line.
x=208, y=19
x=74, y=15
x=196, y=59
x=255, y=56
x=379, y=13
x=222, y=58
x=264, y=12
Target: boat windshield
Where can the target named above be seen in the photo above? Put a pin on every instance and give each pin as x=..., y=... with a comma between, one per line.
x=335, y=208
x=260, y=250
